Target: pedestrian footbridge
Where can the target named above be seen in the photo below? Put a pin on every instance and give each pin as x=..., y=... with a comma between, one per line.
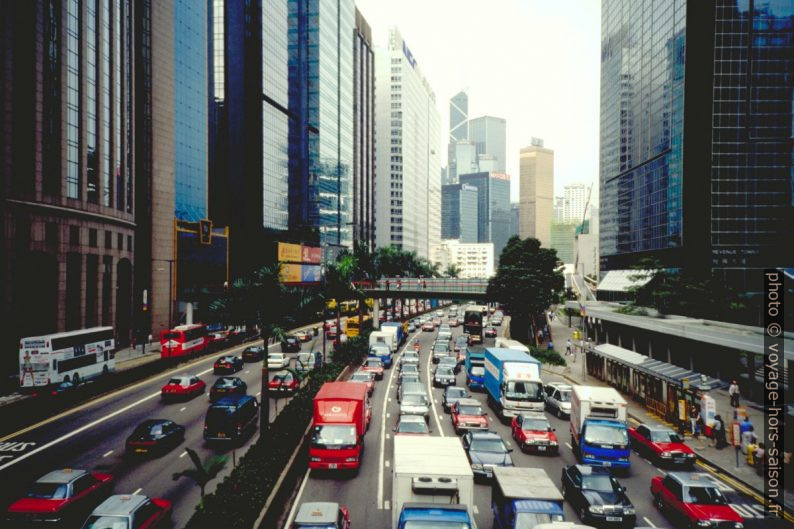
x=425, y=287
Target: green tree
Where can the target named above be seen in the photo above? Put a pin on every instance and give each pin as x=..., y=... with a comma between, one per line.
x=526, y=282
x=452, y=271
x=203, y=471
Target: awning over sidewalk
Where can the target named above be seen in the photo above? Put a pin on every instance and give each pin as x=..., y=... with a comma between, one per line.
x=672, y=373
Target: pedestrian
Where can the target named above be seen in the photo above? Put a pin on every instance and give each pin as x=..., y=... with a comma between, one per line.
x=746, y=425
x=549, y=346
x=694, y=420
x=719, y=436
x=733, y=391
x=540, y=336
x=568, y=345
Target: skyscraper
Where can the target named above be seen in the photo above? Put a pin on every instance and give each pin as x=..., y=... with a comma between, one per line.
x=462, y=159
x=459, y=206
x=574, y=201
x=695, y=143
x=493, y=207
x=364, y=133
x=320, y=43
x=407, y=126
x=490, y=135
x=536, y=189
x=458, y=132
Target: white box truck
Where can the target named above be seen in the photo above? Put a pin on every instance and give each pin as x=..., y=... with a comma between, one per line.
x=598, y=427
x=507, y=343
x=384, y=336
x=431, y=481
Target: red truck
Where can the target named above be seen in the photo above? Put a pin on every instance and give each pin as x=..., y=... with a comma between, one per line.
x=341, y=417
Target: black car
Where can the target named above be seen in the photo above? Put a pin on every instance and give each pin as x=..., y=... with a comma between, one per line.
x=290, y=344
x=254, y=353
x=485, y=450
x=227, y=364
x=225, y=386
x=450, y=362
x=443, y=377
x=597, y=496
x=155, y=436
x=452, y=394
x=231, y=418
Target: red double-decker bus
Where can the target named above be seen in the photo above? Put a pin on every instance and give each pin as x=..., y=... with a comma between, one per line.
x=184, y=340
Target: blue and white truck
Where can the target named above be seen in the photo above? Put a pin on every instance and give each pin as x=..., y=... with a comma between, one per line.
x=524, y=497
x=512, y=381
x=599, y=435
x=399, y=330
x=432, y=483
x=475, y=367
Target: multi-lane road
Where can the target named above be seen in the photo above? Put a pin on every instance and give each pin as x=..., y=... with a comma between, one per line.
x=92, y=435
x=368, y=494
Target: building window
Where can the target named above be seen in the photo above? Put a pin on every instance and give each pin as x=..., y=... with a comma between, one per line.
x=92, y=237
x=120, y=241
x=107, y=274
x=22, y=233
x=51, y=114
x=51, y=233
x=129, y=243
x=73, y=99
x=108, y=240
x=73, y=284
x=74, y=235
x=91, y=281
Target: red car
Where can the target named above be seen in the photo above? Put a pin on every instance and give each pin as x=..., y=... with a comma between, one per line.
x=60, y=497
x=365, y=377
x=467, y=414
x=693, y=500
x=304, y=336
x=373, y=365
x=331, y=333
x=533, y=433
x=661, y=445
x=127, y=511
x=185, y=386
x=284, y=383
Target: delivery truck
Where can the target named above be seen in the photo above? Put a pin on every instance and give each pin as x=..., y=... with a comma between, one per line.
x=385, y=337
x=599, y=435
x=432, y=483
x=402, y=330
x=524, y=497
x=512, y=382
x=475, y=367
x=506, y=343
x=341, y=417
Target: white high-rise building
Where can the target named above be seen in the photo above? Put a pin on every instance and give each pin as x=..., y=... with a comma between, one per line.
x=474, y=260
x=408, y=128
x=575, y=199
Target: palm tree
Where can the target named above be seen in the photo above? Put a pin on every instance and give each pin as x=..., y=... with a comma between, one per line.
x=203, y=471
x=452, y=271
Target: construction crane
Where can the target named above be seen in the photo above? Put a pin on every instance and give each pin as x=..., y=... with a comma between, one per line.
x=581, y=230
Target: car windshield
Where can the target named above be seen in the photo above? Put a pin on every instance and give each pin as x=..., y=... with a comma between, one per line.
x=276, y=357
x=599, y=482
x=441, y=347
x=605, y=435
x=444, y=372
x=535, y=424
x=178, y=382
x=415, y=400
x=565, y=396
x=373, y=363
x=495, y=446
x=706, y=496
x=470, y=410
x=410, y=368
x=171, y=336
x=456, y=392
x=435, y=524
x=106, y=522
x=523, y=391
x=412, y=427
x=224, y=382
x=665, y=436
x=334, y=436
x=47, y=491
x=360, y=377
x=528, y=520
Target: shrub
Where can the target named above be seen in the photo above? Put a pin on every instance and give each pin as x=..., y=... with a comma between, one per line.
x=547, y=357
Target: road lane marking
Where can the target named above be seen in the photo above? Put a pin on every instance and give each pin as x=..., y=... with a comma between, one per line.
x=648, y=521
x=137, y=491
x=388, y=436
x=81, y=429
x=387, y=505
x=383, y=428
x=569, y=445
x=291, y=515
x=247, y=371
x=258, y=393
x=388, y=415
x=183, y=408
x=183, y=454
x=430, y=393
x=389, y=399
x=107, y=453
x=388, y=463
x=475, y=509
x=508, y=443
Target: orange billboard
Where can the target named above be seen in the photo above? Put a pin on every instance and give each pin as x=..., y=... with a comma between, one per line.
x=289, y=253
x=290, y=273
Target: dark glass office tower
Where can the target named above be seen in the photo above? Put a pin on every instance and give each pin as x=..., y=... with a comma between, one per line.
x=493, y=207
x=364, y=133
x=696, y=152
x=459, y=212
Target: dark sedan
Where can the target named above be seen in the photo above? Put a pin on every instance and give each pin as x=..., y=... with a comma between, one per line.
x=227, y=364
x=254, y=353
x=225, y=386
x=443, y=377
x=486, y=450
x=597, y=496
x=453, y=394
x=155, y=436
x=290, y=344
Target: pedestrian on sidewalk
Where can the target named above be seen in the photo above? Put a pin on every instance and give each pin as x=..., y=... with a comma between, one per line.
x=549, y=346
x=568, y=345
x=721, y=441
x=694, y=420
x=746, y=425
x=733, y=391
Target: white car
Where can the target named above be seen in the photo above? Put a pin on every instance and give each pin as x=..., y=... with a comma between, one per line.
x=277, y=361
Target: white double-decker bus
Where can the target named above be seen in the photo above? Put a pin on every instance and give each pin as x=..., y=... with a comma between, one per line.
x=66, y=356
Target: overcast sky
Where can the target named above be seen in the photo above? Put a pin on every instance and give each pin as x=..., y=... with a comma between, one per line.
x=533, y=62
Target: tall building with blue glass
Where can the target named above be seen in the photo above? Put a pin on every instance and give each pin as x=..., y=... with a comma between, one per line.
x=459, y=208
x=320, y=46
x=493, y=207
x=696, y=153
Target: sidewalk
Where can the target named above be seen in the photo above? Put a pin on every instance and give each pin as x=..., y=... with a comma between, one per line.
x=724, y=461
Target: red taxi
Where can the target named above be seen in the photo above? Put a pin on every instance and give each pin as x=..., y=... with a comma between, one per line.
x=693, y=500
x=364, y=377
x=184, y=386
x=467, y=414
x=373, y=365
x=661, y=445
x=286, y=383
x=60, y=497
x=533, y=433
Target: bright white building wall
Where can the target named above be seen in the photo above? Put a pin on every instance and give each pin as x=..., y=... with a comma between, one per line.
x=475, y=260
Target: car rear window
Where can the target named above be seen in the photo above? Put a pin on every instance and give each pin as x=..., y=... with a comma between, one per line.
x=106, y=522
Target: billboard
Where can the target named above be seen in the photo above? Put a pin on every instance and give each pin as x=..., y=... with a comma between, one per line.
x=289, y=253
x=311, y=254
x=311, y=273
x=290, y=273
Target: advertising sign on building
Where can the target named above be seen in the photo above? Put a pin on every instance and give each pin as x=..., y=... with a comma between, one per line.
x=289, y=253
x=311, y=254
x=290, y=273
x=311, y=273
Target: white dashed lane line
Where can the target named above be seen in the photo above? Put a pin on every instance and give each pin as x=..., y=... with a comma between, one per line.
x=648, y=521
x=183, y=408
x=183, y=454
x=137, y=491
x=107, y=453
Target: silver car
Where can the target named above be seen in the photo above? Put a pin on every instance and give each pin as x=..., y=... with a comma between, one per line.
x=415, y=404
x=409, y=357
x=558, y=399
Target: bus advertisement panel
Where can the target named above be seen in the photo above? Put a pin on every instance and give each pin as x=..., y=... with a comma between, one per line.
x=66, y=357
x=184, y=340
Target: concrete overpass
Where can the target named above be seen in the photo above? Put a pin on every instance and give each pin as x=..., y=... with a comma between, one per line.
x=425, y=288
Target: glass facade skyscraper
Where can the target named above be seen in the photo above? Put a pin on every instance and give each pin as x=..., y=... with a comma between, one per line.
x=696, y=120
x=490, y=136
x=459, y=205
x=493, y=207
x=321, y=136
